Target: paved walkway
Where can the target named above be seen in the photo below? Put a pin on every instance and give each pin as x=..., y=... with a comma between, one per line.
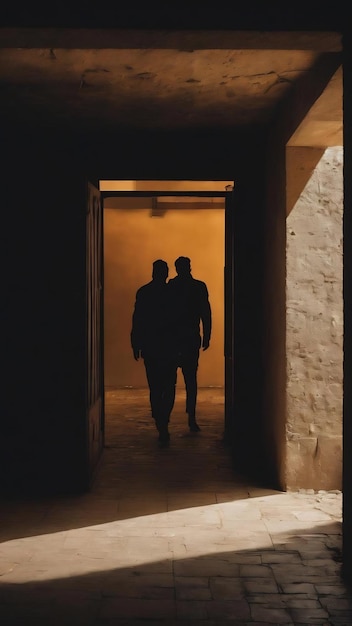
x=170, y=535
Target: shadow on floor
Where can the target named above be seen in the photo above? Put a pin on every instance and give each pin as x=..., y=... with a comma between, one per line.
x=143, y=573
x=169, y=535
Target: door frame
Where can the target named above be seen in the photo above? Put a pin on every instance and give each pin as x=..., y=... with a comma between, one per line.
x=229, y=286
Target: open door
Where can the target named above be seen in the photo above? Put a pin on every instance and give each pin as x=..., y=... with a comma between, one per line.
x=94, y=335
x=229, y=315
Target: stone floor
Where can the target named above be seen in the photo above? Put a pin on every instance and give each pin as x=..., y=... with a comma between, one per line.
x=171, y=535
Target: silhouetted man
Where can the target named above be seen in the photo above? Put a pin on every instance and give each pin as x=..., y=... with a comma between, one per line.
x=150, y=339
x=190, y=307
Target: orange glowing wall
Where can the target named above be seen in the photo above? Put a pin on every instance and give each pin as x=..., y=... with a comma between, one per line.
x=133, y=239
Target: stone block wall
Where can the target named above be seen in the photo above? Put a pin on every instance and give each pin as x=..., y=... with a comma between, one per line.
x=314, y=331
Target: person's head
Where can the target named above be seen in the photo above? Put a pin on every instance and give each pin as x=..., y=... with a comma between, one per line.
x=183, y=266
x=160, y=270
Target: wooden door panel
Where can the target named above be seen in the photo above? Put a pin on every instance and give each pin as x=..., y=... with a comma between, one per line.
x=95, y=379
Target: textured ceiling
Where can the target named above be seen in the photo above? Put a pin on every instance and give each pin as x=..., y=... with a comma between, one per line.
x=166, y=81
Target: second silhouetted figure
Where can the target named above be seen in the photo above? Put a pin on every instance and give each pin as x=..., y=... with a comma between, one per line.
x=190, y=308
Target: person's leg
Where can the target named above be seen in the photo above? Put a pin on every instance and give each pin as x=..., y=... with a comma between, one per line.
x=166, y=377
x=169, y=387
x=161, y=393
x=151, y=374
x=189, y=370
x=154, y=376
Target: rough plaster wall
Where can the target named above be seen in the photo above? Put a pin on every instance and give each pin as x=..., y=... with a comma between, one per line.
x=315, y=330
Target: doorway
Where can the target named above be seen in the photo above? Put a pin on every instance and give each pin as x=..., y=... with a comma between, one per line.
x=180, y=218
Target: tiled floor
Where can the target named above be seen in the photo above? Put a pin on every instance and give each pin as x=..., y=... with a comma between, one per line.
x=170, y=535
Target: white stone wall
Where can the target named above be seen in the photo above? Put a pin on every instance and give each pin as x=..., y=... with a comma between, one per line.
x=315, y=330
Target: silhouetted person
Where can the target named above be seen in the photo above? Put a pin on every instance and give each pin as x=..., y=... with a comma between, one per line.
x=190, y=308
x=150, y=339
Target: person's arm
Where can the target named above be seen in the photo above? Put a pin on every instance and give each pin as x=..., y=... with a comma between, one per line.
x=206, y=318
x=136, y=330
